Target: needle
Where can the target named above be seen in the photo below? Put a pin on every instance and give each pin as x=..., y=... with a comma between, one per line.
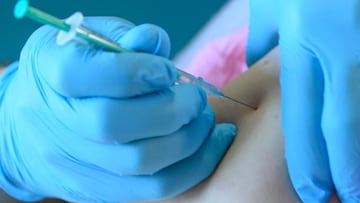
x=240, y=102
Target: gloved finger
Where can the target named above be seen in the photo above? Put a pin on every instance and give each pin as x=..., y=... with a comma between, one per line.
x=120, y=121
x=341, y=118
x=302, y=102
x=147, y=38
x=262, y=34
x=173, y=180
x=79, y=70
x=146, y=156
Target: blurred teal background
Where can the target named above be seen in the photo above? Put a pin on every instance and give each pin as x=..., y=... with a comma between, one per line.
x=181, y=19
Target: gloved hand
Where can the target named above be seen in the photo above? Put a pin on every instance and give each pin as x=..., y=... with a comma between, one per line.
x=320, y=80
x=88, y=125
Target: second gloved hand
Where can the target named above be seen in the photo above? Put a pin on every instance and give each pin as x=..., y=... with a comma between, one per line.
x=87, y=125
x=320, y=79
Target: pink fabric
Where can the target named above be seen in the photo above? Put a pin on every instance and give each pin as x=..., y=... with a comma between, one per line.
x=222, y=59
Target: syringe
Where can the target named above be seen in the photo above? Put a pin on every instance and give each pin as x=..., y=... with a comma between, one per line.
x=72, y=28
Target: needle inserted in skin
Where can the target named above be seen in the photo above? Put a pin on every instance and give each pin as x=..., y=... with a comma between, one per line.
x=240, y=102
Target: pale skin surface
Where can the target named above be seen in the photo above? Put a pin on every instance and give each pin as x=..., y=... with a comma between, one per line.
x=254, y=168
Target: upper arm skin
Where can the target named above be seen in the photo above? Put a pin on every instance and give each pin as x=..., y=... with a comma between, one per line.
x=254, y=169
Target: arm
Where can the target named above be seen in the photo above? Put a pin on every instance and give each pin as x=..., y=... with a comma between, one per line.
x=254, y=168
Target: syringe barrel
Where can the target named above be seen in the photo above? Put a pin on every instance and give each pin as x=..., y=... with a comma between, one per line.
x=99, y=40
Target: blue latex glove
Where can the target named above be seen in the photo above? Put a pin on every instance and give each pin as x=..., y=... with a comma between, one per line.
x=86, y=125
x=320, y=80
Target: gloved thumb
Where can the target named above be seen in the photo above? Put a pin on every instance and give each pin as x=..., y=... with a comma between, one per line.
x=147, y=38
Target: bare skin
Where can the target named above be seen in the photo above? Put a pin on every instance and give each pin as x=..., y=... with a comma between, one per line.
x=254, y=169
